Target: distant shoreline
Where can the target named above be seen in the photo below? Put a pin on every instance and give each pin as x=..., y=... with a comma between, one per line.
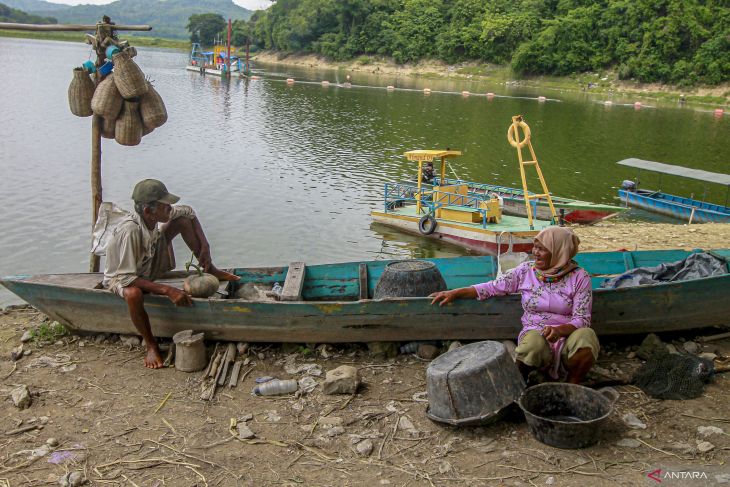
x=717, y=96
x=79, y=37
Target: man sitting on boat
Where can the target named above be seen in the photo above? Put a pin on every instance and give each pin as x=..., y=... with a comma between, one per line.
x=139, y=252
x=556, y=297
x=428, y=173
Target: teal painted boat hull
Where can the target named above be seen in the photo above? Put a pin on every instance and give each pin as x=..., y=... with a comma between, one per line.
x=331, y=311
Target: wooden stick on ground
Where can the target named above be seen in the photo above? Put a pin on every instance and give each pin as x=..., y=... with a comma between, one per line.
x=234, y=374
x=212, y=361
x=227, y=361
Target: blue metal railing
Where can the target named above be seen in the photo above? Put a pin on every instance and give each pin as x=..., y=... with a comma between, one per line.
x=401, y=194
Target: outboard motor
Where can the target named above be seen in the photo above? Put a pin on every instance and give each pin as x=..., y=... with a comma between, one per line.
x=628, y=185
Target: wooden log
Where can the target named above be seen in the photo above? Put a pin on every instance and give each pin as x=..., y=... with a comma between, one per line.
x=216, y=367
x=212, y=359
x=67, y=27
x=234, y=374
x=294, y=282
x=228, y=359
x=712, y=338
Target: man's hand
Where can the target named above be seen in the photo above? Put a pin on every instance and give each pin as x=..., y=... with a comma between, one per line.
x=554, y=333
x=178, y=297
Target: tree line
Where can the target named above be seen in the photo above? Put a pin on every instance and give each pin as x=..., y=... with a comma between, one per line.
x=8, y=14
x=670, y=41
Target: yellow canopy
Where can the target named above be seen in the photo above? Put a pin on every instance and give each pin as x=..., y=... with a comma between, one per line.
x=430, y=155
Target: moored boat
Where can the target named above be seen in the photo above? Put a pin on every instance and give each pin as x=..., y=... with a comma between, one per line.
x=690, y=209
x=453, y=213
x=334, y=304
x=571, y=211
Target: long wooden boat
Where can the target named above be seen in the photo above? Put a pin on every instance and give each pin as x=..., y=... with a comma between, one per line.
x=334, y=304
x=572, y=211
x=687, y=209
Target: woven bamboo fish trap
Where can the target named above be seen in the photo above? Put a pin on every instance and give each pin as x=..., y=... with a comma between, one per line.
x=107, y=101
x=108, y=128
x=152, y=108
x=128, y=77
x=128, y=129
x=80, y=92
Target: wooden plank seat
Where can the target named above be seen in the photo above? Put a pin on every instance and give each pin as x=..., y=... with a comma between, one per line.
x=294, y=282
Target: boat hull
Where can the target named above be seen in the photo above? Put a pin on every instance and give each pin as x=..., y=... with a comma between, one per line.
x=683, y=209
x=333, y=314
x=516, y=207
x=475, y=239
x=209, y=71
x=655, y=308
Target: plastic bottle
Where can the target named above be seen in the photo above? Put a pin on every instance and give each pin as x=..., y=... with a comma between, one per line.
x=276, y=387
x=277, y=288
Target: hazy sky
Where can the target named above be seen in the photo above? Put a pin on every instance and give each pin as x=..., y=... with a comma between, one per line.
x=249, y=4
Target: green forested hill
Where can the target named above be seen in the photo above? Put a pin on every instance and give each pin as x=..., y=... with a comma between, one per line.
x=32, y=6
x=671, y=41
x=167, y=17
x=8, y=14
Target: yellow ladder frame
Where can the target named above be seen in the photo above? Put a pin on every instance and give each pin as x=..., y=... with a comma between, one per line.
x=513, y=137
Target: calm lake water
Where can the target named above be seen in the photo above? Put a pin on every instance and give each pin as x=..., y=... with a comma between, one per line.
x=281, y=172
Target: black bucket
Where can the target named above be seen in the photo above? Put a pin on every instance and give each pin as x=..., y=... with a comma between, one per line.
x=409, y=279
x=567, y=415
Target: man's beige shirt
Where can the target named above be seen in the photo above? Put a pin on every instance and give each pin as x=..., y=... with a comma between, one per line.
x=131, y=248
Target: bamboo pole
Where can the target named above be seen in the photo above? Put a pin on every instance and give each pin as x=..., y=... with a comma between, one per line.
x=96, y=188
x=228, y=46
x=102, y=29
x=67, y=27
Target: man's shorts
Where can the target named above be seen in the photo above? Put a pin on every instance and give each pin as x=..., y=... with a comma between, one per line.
x=163, y=261
x=534, y=350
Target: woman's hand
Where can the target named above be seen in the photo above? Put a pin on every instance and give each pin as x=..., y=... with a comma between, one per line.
x=442, y=297
x=554, y=333
x=445, y=297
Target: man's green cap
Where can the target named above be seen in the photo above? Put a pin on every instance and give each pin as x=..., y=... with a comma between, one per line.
x=150, y=190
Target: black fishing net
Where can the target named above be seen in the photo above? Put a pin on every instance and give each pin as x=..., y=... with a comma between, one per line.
x=674, y=376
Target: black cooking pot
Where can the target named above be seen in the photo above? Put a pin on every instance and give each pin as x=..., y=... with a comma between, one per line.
x=567, y=415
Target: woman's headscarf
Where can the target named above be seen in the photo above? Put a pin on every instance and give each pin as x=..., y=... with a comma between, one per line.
x=562, y=244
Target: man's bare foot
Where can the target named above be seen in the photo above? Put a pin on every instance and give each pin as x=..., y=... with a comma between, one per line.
x=223, y=275
x=153, y=360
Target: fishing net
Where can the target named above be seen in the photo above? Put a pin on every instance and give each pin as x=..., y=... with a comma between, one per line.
x=674, y=376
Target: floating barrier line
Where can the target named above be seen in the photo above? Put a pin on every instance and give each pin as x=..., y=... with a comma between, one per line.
x=415, y=90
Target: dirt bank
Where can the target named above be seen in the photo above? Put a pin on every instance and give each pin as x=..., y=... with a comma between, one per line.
x=594, y=82
x=608, y=235
x=121, y=424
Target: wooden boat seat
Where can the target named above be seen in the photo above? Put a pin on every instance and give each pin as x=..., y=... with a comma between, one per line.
x=294, y=282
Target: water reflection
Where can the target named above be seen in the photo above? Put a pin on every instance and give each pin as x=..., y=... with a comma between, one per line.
x=282, y=173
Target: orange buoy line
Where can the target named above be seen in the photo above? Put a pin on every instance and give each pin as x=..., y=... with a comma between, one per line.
x=426, y=91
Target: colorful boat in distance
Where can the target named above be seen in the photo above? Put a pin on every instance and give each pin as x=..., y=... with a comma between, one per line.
x=453, y=213
x=333, y=303
x=687, y=209
x=571, y=211
x=213, y=62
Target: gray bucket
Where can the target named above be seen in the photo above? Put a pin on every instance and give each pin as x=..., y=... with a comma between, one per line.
x=473, y=384
x=567, y=415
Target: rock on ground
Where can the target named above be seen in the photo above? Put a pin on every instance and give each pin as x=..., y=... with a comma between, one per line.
x=344, y=379
x=21, y=397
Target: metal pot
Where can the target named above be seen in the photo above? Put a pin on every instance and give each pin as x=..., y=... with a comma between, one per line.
x=567, y=415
